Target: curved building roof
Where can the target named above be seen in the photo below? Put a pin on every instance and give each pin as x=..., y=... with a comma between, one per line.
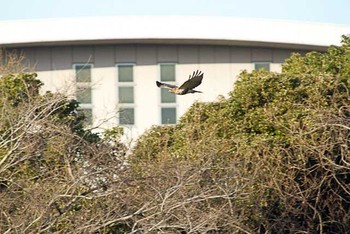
x=171, y=29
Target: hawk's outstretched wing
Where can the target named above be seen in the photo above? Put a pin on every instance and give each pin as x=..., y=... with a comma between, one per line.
x=193, y=81
x=164, y=85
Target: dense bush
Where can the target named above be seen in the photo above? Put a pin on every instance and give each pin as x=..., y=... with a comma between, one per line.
x=287, y=136
x=52, y=170
x=272, y=157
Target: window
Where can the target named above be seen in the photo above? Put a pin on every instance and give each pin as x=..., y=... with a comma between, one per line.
x=167, y=72
x=84, y=94
x=167, y=99
x=126, y=94
x=168, y=115
x=125, y=73
x=83, y=73
x=126, y=116
x=83, y=90
x=262, y=65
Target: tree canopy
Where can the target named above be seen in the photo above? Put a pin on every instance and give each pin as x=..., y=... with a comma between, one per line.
x=272, y=157
x=286, y=136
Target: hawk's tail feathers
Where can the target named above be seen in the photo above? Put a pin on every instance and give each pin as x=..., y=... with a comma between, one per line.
x=194, y=91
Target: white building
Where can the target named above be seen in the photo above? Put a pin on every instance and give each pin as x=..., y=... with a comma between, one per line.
x=110, y=64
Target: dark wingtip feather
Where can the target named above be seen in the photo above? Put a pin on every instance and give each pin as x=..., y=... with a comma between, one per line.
x=195, y=74
x=158, y=83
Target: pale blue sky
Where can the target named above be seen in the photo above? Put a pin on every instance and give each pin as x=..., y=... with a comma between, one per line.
x=330, y=11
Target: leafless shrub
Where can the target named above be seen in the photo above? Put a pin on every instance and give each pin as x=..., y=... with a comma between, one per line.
x=12, y=61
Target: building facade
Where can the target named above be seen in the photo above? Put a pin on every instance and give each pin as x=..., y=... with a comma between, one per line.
x=113, y=75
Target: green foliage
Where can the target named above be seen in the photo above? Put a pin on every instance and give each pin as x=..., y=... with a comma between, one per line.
x=152, y=144
x=289, y=131
x=19, y=88
x=49, y=164
x=272, y=157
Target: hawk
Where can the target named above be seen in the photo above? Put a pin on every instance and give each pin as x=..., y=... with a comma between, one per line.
x=187, y=87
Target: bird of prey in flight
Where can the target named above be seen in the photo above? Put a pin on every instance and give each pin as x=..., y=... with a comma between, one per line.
x=187, y=87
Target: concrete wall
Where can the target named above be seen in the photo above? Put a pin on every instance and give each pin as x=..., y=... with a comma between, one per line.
x=220, y=64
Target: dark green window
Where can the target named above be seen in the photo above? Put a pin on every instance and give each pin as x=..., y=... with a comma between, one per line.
x=126, y=116
x=126, y=94
x=264, y=66
x=83, y=73
x=125, y=73
x=167, y=72
x=168, y=115
x=167, y=97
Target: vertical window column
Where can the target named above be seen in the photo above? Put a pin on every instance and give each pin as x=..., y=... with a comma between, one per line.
x=83, y=90
x=126, y=102
x=168, y=100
